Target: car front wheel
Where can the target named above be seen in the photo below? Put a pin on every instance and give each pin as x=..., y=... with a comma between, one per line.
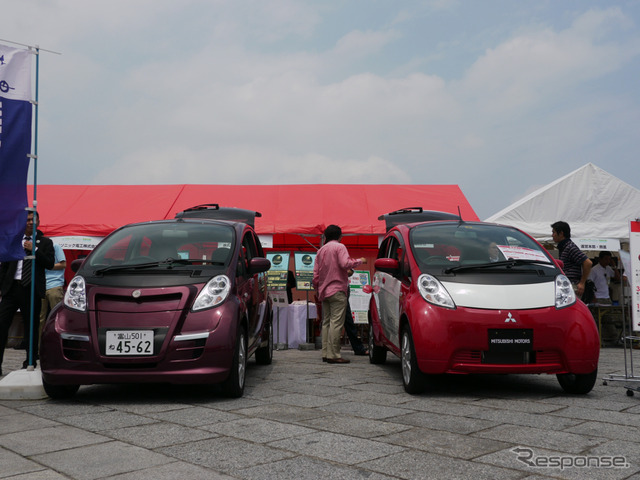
x=233, y=386
x=60, y=392
x=577, y=383
x=413, y=379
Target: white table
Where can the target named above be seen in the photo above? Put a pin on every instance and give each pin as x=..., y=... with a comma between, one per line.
x=290, y=323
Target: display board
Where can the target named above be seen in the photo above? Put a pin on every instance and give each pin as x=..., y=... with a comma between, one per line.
x=634, y=276
x=358, y=299
x=304, y=263
x=277, y=277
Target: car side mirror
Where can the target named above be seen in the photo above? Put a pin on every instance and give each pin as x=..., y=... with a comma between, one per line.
x=560, y=263
x=258, y=265
x=76, y=264
x=387, y=265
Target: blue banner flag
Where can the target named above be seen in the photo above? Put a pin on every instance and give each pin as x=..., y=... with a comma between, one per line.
x=15, y=146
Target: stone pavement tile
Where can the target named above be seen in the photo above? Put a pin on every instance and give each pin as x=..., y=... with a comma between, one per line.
x=400, y=400
x=231, y=404
x=439, y=421
x=356, y=427
x=102, y=460
x=366, y=410
x=418, y=465
x=158, y=435
x=541, y=438
x=304, y=400
x=584, y=413
x=518, y=405
x=257, y=430
x=609, y=431
x=593, y=399
x=307, y=388
x=172, y=471
x=553, y=464
x=53, y=409
x=49, y=439
x=526, y=419
x=444, y=443
x=13, y=464
x=20, y=422
x=96, y=422
x=282, y=413
x=305, y=468
x=224, y=454
x=629, y=450
x=40, y=475
x=194, y=416
x=337, y=448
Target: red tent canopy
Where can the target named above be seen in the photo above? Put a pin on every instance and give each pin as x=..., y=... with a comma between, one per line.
x=287, y=210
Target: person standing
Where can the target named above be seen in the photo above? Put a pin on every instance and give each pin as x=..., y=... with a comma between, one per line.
x=601, y=275
x=15, y=285
x=331, y=281
x=577, y=265
x=55, y=284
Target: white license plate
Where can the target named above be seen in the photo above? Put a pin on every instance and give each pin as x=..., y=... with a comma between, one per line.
x=129, y=342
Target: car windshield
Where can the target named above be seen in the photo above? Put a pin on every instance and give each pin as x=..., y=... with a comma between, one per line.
x=163, y=244
x=459, y=246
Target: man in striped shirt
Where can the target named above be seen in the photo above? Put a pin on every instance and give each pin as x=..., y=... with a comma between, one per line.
x=577, y=265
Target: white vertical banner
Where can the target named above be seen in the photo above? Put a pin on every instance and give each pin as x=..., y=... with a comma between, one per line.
x=634, y=275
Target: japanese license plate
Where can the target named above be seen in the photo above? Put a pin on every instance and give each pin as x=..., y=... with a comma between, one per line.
x=129, y=342
x=511, y=339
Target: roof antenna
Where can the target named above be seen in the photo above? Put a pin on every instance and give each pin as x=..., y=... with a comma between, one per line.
x=460, y=215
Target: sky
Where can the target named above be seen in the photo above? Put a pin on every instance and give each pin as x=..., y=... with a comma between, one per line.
x=500, y=97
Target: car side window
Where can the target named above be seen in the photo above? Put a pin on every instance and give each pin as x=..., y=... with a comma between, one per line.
x=248, y=251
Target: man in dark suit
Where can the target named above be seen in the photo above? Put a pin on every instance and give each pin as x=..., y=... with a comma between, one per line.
x=15, y=285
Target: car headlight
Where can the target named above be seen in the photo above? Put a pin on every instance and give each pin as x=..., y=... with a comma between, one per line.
x=214, y=293
x=434, y=292
x=76, y=295
x=565, y=296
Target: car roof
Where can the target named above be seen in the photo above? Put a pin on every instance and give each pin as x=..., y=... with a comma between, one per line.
x=414, y=215
x=213, y=211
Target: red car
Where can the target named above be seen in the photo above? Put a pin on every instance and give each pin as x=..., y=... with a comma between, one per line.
x=451, y=296
x=177, y=301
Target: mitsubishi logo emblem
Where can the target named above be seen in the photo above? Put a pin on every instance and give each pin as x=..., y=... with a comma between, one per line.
x=510, y=318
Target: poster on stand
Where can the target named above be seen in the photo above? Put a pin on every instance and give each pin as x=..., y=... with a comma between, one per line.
x=304, y=262
x=277, y=277
x=634, y=276
x=358, y=299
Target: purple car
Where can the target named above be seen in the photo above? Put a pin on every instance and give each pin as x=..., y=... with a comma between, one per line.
x=180, y=301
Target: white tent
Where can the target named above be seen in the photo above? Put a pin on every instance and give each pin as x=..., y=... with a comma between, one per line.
x=596, y=205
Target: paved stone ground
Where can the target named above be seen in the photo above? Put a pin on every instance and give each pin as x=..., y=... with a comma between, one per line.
x=303, y=419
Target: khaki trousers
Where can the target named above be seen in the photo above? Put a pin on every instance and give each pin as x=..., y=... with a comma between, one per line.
x=333, y=310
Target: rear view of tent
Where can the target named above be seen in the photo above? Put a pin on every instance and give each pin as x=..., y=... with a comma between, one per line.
x=594, y=203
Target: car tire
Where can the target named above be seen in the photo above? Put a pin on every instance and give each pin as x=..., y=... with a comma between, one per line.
x=264, y=355
x=577, y=383
x=60, y=392
x=377, y=355
x=413, y=380
x=233, y=386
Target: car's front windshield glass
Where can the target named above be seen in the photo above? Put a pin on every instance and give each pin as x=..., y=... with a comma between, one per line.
x=166, y=244
x=469, y=244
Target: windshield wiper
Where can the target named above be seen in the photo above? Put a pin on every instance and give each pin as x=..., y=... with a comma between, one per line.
x=505, y=263
x=168, y=262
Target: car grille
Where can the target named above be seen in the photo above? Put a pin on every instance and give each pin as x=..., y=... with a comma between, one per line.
x=477, y=357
